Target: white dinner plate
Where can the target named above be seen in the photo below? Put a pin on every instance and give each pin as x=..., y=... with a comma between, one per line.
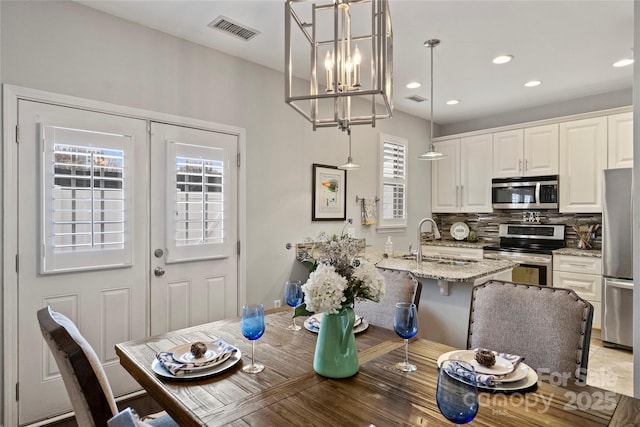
x=182, y=353
x=459, y=230
x=312, y=323
x=501, y=367
x=522, y=380
x=157, y=367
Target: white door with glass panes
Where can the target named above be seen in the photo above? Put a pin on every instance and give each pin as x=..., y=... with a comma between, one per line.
x=194, y=225
x=82, y=242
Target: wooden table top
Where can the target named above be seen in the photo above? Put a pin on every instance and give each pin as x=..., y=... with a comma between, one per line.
x=289, y=392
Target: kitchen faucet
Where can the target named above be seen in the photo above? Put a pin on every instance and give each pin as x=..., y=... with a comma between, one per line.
x=436, y=235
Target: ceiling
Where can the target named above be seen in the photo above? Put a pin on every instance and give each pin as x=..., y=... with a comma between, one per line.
x=568, y=45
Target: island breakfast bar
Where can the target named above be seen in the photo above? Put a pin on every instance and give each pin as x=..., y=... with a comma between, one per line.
x=289, y=392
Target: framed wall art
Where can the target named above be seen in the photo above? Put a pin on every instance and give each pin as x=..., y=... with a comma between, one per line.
x=329, y=193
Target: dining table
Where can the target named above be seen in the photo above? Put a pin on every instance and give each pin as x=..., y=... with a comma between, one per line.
x=290, y=393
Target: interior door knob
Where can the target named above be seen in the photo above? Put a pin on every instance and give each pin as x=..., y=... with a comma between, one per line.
x=159, y=271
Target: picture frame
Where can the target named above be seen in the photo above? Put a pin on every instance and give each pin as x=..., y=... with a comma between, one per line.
x=329, y=193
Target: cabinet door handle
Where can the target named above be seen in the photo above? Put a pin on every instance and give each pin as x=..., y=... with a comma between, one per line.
x=520, y=165
x=526, y=165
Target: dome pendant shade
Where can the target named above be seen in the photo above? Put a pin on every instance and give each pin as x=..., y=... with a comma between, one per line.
x=349, y=166
x=431, y=153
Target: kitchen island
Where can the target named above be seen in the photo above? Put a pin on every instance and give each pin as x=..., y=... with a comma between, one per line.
x=446, y=291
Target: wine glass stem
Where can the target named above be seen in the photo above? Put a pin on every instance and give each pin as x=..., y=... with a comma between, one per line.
x=294, y=319
x=406, y=351
x=253, y=352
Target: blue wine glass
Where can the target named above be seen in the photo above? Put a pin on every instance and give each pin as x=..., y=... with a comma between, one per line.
x=405, y=323
x=293, y=298
x=457, y=392
x=252, y=328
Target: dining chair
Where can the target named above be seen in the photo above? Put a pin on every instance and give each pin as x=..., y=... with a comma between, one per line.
x=83, y=376
x=549, y=327
x=400, y=286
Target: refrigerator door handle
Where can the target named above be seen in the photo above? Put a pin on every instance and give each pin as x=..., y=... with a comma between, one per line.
x=619, y=284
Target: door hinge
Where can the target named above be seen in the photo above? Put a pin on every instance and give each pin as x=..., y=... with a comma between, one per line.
x=17, y=391
x=238, y=159
x=238, y=247
x=17, y=263
x=17, y=134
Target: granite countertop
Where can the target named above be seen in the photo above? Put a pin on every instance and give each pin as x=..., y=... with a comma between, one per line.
x=447, y=269
x=456, y=243
x=596, y=253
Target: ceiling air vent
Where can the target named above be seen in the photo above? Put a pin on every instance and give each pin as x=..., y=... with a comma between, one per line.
x=416, y=98
x=225, y=24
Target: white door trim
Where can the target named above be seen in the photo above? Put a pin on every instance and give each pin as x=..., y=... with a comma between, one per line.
x=11, y=95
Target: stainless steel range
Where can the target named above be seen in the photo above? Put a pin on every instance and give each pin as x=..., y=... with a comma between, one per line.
x=530, y=246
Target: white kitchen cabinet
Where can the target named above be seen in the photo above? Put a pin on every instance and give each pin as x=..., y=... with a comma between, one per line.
x=620, y=142
x=531, y=151
x=462, y=181
x=584, y=276
x=583, y=156
x=445, y=177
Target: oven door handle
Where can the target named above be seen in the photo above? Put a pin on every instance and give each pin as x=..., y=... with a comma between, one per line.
x=538, y=193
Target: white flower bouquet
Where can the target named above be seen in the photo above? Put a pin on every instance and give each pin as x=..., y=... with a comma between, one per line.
x=339, y=277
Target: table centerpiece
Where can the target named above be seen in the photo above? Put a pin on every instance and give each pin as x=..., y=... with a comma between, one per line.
x=339, y=276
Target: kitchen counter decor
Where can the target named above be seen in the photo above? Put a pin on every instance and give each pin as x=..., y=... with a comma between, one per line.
x=339, y=276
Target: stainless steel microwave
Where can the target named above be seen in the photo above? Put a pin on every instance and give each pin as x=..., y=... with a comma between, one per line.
x=532, y=192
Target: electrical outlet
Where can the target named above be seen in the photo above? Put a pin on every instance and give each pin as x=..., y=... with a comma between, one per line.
x=277, y=303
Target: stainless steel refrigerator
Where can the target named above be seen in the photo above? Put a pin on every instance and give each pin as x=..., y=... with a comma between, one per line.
x=617, y=259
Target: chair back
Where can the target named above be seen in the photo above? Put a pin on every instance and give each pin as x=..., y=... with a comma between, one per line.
x=550, y=327
x=400, y=286
x=82, y=373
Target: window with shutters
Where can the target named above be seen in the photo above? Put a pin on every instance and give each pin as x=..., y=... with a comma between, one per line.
x=196, y=194
x=85, y=199
x=392, y=206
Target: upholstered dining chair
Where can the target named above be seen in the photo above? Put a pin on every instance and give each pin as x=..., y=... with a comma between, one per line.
x=550, y=327
x=83, y=376
x=400, y=286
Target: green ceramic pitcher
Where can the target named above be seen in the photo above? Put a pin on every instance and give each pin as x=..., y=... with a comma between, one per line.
x=336, y=354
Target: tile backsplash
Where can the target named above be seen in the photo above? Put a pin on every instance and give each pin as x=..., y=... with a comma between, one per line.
x=486, y=224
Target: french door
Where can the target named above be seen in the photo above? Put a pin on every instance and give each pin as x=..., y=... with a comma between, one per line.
x=122, y=232
x=194, y=243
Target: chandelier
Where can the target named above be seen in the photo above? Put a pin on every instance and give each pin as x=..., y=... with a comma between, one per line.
x=348, y=61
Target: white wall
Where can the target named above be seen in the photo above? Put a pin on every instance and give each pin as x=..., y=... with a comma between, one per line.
x=67, y=48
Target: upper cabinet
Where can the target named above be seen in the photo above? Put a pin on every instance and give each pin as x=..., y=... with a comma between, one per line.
x=526, y=152
x=462, y=181
x=620, y=141
x=583, y=156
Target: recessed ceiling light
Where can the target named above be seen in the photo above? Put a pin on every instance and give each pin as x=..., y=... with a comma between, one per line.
x=533, y=83
x=623, y=62
x=453, y=102
x=413, y=85
x=502, y=59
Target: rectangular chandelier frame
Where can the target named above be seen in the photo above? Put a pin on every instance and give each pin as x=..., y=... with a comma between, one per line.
x=334, y=73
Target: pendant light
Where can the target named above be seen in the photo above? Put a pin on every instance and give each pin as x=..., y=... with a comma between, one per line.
x=344, y=66
x=431, y=153
x=349, y=166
